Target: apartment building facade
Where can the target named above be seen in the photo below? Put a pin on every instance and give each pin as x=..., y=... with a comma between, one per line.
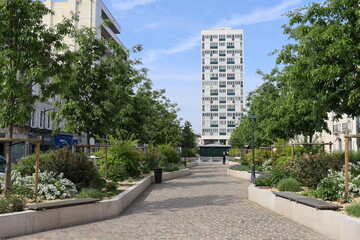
x=91, y=13
x=338, y=128
x=222, y=56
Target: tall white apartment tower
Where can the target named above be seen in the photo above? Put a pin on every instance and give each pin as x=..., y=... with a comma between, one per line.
x=222, y=56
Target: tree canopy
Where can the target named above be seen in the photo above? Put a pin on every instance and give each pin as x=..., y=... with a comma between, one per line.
x=30, y=53
x=318, y=72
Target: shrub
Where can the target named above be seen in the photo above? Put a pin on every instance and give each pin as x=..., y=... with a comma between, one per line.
x=240, y=168
x=150, y=160
x=111, y=186
x=90, y=193
x=354, y=156
x=279, y=162
x=11, y=204
x=353, y=210
x=168, y=155
x=26, y=165
x=273, y=177
x=51, y=185
x=263, y=181
x=74, y=166
x=261, y=155
x=124, y=160
x=117, y=172
x=332, y=187
x=311, y=169
x=278, y=174
x=289, y=184
x=172, y=167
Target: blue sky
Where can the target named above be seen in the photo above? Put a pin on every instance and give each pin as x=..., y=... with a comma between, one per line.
x=169, y=31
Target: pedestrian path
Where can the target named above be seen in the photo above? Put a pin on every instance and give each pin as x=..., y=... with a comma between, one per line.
x=205, y=205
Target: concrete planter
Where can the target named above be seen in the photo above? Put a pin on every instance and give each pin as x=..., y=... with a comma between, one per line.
x=241, y=174
x=28, y=222
x=331, y=224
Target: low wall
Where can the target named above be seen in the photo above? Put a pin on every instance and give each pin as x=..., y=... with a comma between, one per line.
x=30, y=221
x=330, y=223
x=231, y=163
x=241, y=174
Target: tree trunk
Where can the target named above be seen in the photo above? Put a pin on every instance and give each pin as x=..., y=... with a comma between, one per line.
x=87, y=143
x=8, y=162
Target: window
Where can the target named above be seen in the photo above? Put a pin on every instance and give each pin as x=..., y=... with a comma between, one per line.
x=32, y=121
x=48, y=122
x=41, y=119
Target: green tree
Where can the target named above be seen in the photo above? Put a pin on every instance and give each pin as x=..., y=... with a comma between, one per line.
x=96, y=85
x=325, y=49
x=189, y=141
x=29, y=55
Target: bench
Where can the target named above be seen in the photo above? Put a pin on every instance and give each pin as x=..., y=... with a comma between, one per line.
x=60, y=204
x=312, y=202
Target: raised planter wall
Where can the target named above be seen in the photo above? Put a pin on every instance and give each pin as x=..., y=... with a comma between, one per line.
x=330, y=223
x=241, y=174
x=30, y=221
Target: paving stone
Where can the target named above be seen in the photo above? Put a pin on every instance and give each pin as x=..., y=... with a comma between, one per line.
x=205, y=205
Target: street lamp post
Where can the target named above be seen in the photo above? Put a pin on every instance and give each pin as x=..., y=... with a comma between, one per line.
x=252, y=123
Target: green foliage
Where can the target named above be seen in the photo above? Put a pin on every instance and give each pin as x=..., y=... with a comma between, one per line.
x=261, y=156
x=11, y=204
x=289, y=184
x=263, y=181
x=281, y=161
x=111, y=186
x=168, y=155
x=332, y=187
x=30, y=53
x=324, y=51
x=353, y=210
x=240, y=168
x=26, y=165
x=311, y=169
x=90, y=193
x=236, y=152
x=354, y=156
x=75, y=166
x=50, y=185
x=188, y=142
x=23, y=190
x=150, y=160
x=173, y=167
x=273, y=177
x=124, y=160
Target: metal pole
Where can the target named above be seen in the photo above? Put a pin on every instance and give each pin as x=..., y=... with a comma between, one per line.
x=346, y=168
x=106, y=162
x=253, y=176
x=36, y=171
x=43, y=132
x=292, y=152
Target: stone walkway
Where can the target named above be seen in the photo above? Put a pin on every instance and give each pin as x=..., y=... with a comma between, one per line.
x=205, y=205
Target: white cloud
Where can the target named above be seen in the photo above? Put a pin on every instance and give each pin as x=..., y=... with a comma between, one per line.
x=257, y=16
x=130, y=4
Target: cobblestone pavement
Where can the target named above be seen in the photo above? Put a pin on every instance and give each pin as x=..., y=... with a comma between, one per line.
x=205, y=205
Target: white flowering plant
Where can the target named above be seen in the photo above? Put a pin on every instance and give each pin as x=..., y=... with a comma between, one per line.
x=332, y=187
x=50, y=185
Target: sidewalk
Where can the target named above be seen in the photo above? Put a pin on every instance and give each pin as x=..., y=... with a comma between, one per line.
x=205, y=205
